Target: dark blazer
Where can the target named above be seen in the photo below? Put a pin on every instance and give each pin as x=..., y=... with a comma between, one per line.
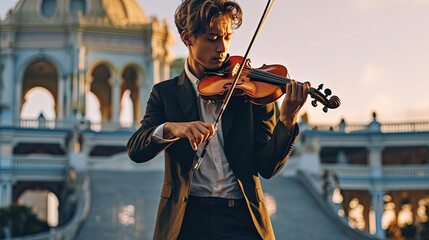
x=253, y=145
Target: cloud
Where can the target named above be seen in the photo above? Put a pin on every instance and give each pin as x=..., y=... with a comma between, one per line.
x=367, y=5
x=382, y=104
x=421, y=113
x=372, y=75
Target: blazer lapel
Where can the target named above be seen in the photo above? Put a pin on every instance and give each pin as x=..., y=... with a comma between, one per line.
x=186, y=97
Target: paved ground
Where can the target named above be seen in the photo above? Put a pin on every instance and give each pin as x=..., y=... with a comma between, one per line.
x=124, y=205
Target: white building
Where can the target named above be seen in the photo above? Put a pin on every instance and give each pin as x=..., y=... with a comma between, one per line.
x=73, y=50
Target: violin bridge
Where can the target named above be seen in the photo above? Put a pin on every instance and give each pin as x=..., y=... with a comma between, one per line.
x=235, y=70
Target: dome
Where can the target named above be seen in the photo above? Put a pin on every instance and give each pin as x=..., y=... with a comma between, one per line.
x=124, y=12
x=118, y=12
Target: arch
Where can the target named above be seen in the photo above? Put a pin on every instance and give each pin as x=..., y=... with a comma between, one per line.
x=42, y=74
x=93, y=110
x=127, y=109
x=99, y=78
x=31, y=107
x=44, y=204
x=23, y=66
x=133, y=77
x=142, y=78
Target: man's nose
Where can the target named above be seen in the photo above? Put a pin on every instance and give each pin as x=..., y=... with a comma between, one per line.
x=222, y=46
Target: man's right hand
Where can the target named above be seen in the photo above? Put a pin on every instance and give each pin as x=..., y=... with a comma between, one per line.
x=196, y=132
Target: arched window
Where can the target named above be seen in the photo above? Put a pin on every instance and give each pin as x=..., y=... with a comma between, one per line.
x=48, y=7
x=44, y=204
x=38, y=101
x=78, y=6
x=126, y=113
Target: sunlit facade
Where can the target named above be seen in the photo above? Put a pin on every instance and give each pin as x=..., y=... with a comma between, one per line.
x=375, y=175
x=75, y=76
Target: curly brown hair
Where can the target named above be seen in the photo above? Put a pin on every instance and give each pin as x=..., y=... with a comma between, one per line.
x=196, y=16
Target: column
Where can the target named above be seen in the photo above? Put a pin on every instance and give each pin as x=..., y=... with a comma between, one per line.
x=60, y=99
x=377, y=202
x=167, y=64
x=68, y=91
x=377, y=191
x=6, y=96
x=75, y=95
x=115, y=83
x=5, y=178
x=5, y=193
x=375, y=161
x=155, y=71
x=144, y=92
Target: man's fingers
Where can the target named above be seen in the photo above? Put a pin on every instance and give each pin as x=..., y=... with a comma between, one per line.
x=207, y=129
x=191, y=139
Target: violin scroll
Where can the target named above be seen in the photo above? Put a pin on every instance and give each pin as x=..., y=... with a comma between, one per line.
x=332, y=103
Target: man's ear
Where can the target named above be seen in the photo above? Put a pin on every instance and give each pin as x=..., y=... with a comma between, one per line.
x=186, y=38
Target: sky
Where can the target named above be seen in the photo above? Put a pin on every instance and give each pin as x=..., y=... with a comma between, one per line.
x=372, y=54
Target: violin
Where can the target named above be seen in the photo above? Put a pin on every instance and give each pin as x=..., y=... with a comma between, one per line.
x=258, y=85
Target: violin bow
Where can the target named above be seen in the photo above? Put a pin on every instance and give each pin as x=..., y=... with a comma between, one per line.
x=199, y=158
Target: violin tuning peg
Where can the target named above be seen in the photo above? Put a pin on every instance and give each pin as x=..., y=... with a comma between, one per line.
x=314, y=103
x=328, y=92
x=320, y=87
x=325, y=109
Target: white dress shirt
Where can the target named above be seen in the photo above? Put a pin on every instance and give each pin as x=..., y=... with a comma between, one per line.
x=214, y=178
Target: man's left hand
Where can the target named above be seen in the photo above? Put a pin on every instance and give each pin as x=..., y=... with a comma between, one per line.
x=296, y=95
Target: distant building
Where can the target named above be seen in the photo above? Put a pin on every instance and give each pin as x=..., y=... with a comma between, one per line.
x=72, y=50
x=376, y=175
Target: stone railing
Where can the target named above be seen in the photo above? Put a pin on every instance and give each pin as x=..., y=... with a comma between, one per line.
x=348, y=170
x=405, y=127
x=42, y=123
x=387, y=171
x=39, y=161
x=111, y=126
x=383, y=127
x=70, y=230
x=406, y=171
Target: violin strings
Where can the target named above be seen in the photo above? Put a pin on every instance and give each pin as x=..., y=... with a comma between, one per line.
x=268, y=77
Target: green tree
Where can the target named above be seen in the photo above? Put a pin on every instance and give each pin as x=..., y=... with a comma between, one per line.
x=20, y=220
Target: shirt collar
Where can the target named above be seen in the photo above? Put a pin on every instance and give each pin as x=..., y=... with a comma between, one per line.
x=191, y=76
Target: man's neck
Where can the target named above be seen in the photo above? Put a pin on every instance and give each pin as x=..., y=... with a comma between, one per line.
x=196, y=69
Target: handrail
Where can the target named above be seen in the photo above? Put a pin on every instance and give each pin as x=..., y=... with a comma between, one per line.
x=399, y=171
x=386, y=127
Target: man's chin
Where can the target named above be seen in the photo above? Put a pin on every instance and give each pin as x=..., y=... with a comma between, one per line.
x=215, y=66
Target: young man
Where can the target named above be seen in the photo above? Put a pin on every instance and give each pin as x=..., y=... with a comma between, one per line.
x=223, y=199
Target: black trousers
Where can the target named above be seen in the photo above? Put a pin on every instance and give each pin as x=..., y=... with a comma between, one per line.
x=216, y=219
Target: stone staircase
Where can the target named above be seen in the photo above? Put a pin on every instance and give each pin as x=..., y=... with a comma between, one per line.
x=124, y=206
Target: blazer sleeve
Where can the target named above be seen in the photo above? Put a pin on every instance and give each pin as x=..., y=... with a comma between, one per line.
x=140, y=146
x=273, y=142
